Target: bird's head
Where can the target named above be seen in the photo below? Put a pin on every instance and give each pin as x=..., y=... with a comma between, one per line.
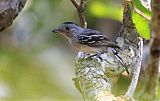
x=67, y=29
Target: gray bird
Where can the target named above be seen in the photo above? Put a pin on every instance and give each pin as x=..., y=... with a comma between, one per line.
x=88, y=40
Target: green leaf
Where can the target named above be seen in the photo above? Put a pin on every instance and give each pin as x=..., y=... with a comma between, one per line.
x=142, y=25
x=142, y=8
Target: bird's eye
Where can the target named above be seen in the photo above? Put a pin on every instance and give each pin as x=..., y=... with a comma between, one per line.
x=67, y=28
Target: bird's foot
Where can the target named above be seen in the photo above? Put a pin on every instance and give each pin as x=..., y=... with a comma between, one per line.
x=98, y=56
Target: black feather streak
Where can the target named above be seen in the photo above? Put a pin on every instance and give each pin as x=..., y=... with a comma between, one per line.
x=69, y=23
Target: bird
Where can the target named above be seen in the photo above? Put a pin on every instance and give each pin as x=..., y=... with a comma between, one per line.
x=89, y=41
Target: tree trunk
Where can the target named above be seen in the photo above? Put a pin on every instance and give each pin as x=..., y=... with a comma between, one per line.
x=152, y=70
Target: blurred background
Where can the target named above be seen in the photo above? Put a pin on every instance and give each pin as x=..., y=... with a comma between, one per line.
x=38, y=65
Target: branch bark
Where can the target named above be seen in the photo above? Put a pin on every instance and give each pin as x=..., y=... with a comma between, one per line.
x=133, y=42
x=9, y=9
x=91, y=79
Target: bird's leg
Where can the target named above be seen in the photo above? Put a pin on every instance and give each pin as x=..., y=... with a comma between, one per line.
x=90, y=56
x=98, y=55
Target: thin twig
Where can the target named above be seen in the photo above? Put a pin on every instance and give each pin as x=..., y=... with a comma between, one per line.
x=136, y=72
x=75, y=3
x=80, y=8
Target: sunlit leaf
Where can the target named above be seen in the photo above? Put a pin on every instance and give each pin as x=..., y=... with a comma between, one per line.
x=138, y=4
x=142, y=25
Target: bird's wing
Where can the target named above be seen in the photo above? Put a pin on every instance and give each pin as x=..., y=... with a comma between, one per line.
x=95, y=38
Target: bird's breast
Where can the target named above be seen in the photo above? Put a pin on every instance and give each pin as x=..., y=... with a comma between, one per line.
x=89, y=49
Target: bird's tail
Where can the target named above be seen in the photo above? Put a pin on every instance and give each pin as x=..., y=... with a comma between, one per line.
x=120, y=60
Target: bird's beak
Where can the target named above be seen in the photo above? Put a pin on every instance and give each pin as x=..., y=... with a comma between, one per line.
x=56, y=30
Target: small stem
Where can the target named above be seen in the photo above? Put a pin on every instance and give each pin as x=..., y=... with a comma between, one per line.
x=80, y=8
x=136, y=72
x=75, y=3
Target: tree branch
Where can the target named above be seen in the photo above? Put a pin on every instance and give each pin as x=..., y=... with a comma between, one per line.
x=75, y=3
x=133, y=42
x=136, y=71
x=80, y=8
x=92, y=78
x=9, y=9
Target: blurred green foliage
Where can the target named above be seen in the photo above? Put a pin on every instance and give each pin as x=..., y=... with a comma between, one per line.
x=33, y=65
x=107, y=10
x=28, y=79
